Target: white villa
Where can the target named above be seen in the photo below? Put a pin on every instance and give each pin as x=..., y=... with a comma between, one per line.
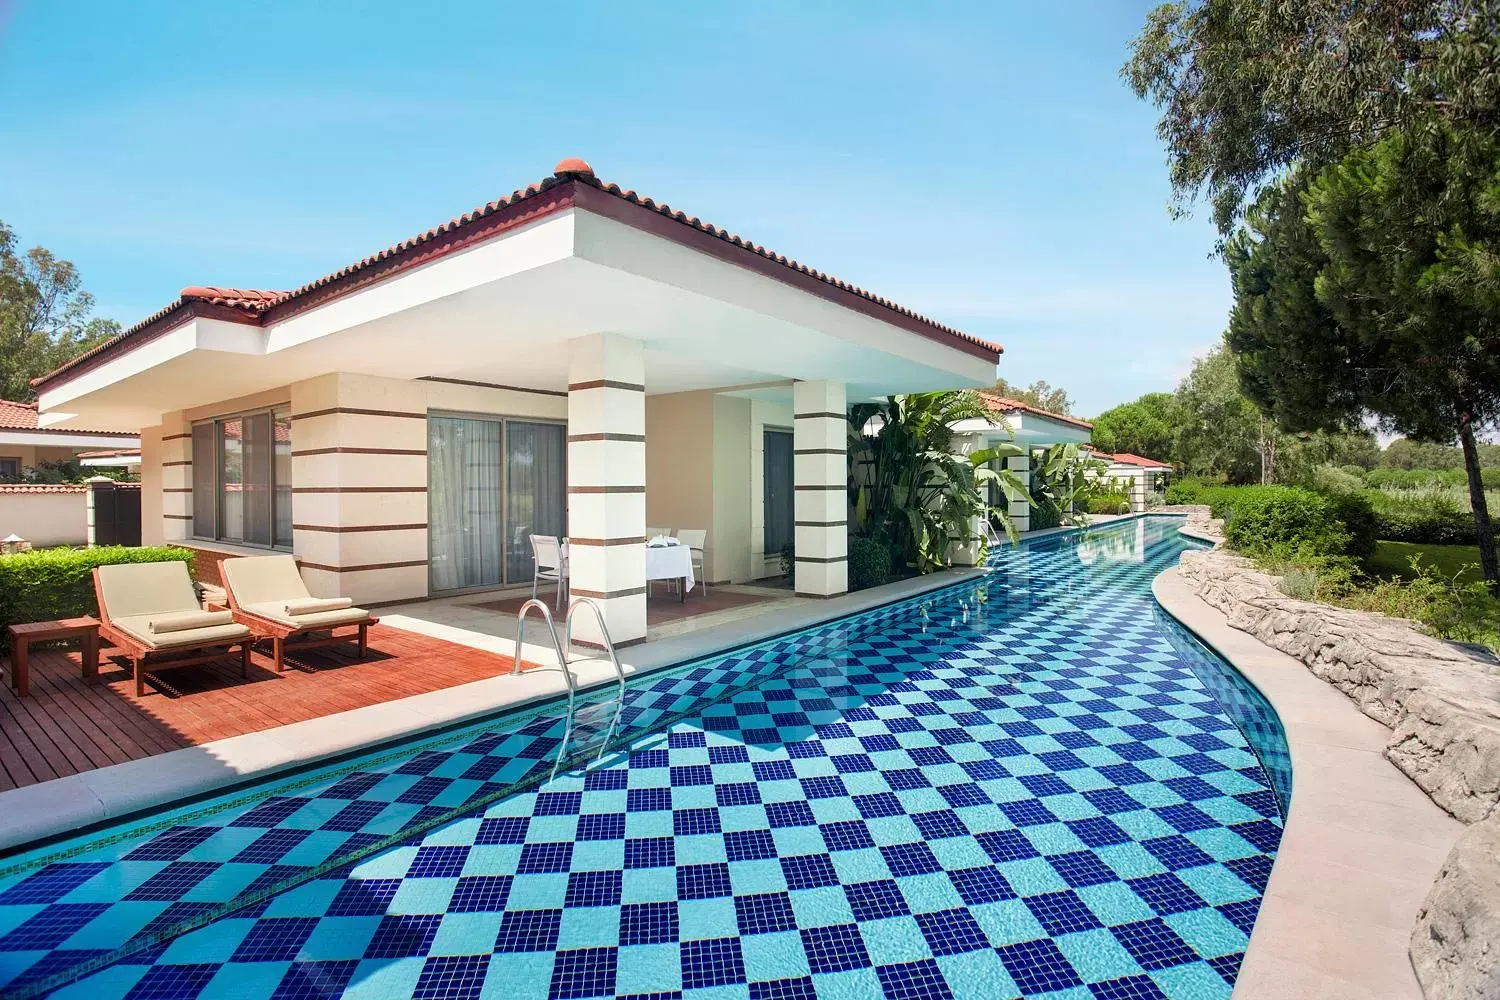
x=573, y=360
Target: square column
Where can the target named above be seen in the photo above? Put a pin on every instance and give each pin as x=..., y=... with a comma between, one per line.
x=175, y=454
x=607, y=484
x=820, y=478
x=1020, y=510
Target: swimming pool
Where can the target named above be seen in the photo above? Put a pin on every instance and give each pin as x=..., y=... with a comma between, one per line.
x=1020, y=786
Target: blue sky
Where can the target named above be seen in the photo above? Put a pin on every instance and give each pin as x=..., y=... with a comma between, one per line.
x=982, y=164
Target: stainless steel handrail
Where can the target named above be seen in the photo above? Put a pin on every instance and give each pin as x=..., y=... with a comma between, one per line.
x=603, y=630
x=562, y=660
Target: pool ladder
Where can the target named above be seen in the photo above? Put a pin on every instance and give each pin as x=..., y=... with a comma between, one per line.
x=563, y=648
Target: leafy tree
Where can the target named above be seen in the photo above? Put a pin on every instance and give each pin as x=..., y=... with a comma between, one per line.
x=907, y=486
x=44, y=316
x=1148, y=426
x=1248, y=88
x=1405, y=453
x=1039, y=394
x=1221, y=431
x=1400, y=245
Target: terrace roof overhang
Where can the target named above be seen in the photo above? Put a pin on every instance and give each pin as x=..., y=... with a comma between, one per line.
x=496, y=295
x=1026, y=428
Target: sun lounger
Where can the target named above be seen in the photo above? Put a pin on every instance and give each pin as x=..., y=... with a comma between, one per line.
x=151, y=611
x=266, y=593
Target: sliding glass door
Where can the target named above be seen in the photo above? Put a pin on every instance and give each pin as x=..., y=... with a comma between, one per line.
x=491, y=483
x=536, y=486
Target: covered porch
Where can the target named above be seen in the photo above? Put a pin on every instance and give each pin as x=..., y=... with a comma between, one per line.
x=570, y=361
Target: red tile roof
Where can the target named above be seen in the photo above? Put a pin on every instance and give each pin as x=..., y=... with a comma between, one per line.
x=572, y=183
x=23, y=417
x=1004, y=404
x=18, y=416
x=42, y=488
x=109, y=453
x=1125, y=458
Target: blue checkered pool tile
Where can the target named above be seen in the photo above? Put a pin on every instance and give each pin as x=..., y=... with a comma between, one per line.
x=1030, y=786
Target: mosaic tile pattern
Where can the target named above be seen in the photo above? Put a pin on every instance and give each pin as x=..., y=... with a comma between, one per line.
x=1015, y=788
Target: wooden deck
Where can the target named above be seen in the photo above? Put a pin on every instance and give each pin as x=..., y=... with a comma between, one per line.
x=70, y=724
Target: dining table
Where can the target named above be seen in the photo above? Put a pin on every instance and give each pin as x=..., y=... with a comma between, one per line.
x=670, y=560
x=666, y=559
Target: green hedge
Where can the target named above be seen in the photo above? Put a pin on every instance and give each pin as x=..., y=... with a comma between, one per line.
x=1267, y=518
x=1045, y=514
x=1186, y=491
x=1426, y=526
x=1109, y=503
x=58, y=583
x=869, y=562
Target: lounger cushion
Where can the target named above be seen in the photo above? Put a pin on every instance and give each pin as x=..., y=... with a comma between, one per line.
x=183, y=620
x=315, y=604
x=159, y=588
x=138, y=627
x=276, y=611
x=256, y=580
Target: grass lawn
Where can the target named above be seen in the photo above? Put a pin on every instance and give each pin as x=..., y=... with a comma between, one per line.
x=1394, y=559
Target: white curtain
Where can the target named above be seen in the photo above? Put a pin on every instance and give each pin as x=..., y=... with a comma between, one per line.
x=535, y=490
x=464, y=497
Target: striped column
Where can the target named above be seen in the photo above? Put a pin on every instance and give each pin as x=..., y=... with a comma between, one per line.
x=607, y=484
x=1020, y=510
x=176, y=453
x=359, y=486
x=820, y=479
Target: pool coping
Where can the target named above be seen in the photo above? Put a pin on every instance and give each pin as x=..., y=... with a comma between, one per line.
x=1362, y=844
x=77, y=803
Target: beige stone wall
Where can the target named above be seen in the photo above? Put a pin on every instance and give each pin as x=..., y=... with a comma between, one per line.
x=729, y=557
x=679, y=465
x=151, y=495
x=45, y=519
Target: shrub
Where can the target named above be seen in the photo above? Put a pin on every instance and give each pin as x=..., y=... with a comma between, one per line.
x=869, y=562
x=1263, y=518
x=1425, y=525
x=1109, y=503
x=58, y=583
x=789, y=561
x=1045, y=514
x=1330, y=480
x=1185, y=491
x=1357, y=471
x=1354, y=512
x=1462, y=612
x=1219, y=499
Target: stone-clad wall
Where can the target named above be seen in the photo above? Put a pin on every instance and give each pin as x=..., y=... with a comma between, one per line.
x=1442, y=703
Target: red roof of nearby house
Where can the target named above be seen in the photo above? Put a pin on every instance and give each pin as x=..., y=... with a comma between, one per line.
x=43, y=488
x=1004, y=404
x=23, y=417
x=1125, y=458
x=109, y=453
x=572, y=184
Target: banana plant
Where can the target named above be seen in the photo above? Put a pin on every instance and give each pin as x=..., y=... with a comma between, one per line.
x=1066, y=477
x=910, y=488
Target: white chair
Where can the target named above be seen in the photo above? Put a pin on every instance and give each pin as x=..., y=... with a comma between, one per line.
x=549, y=564
x=695, y=539
x=657, y=533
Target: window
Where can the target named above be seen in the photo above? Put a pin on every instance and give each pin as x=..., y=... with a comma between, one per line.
x=242, y=479
x=10, y=468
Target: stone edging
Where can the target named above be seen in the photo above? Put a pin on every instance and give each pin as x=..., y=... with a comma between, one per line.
x=1441, y=701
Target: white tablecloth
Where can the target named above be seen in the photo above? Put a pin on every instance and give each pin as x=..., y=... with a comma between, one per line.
x=670, y=562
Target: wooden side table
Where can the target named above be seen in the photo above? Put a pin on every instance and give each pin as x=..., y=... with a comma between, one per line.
x=22, y=636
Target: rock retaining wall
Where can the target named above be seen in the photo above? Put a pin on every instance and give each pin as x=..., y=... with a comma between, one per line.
x=1441, y=701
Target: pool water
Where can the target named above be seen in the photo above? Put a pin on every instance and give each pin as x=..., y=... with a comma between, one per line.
x=1031, y=785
